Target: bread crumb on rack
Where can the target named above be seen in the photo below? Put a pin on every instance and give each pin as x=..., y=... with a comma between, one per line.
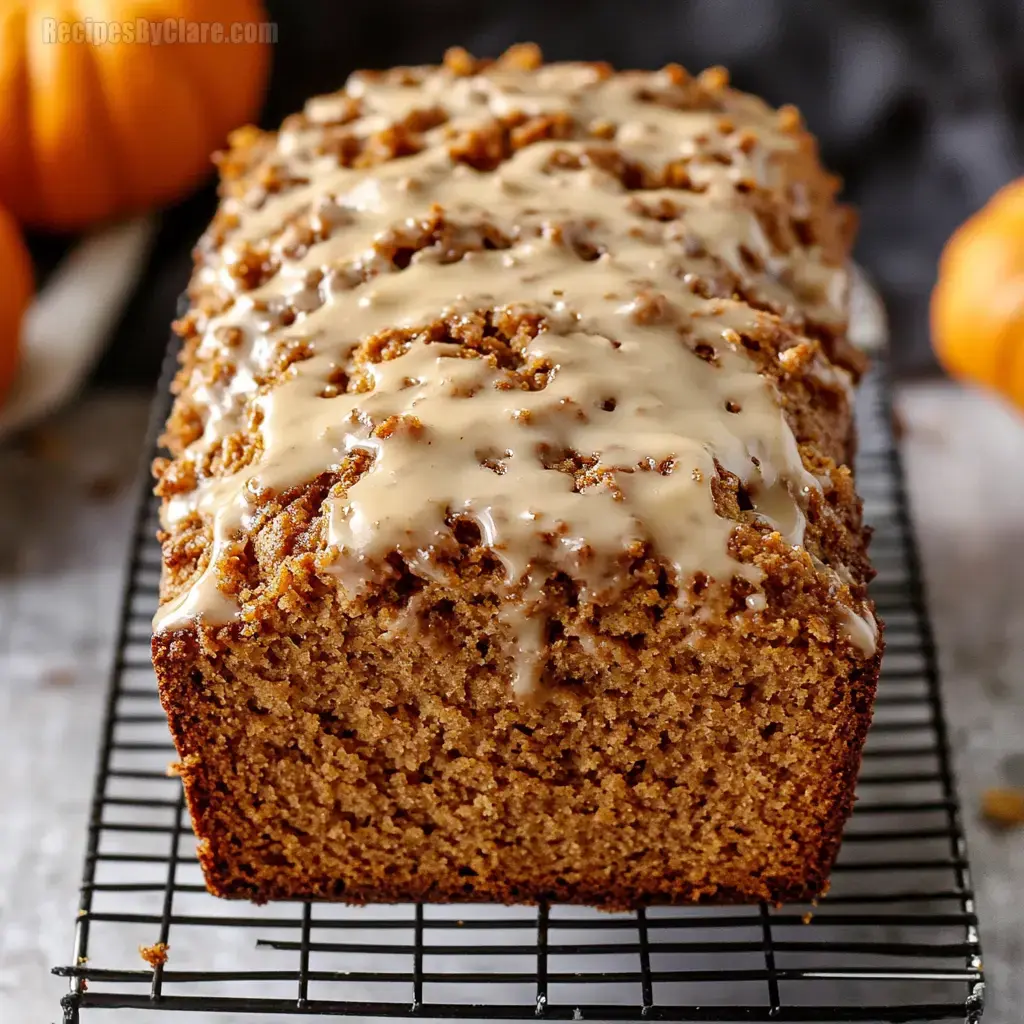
x=155, y=955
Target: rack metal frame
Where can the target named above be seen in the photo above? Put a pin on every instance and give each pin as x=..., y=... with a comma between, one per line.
x=896, y=939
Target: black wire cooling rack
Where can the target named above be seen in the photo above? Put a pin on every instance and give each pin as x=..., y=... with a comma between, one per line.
x=895, y=940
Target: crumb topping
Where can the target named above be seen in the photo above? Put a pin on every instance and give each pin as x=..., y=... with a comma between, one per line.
x=554, y=303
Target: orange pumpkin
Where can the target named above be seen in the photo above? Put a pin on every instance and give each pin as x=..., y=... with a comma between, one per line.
x=91, y=131
x=977, y=307
x=15, y=294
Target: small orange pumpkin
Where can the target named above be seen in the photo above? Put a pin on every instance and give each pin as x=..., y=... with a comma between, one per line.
x=977, y=309
x=15, y=295
x=94, y=130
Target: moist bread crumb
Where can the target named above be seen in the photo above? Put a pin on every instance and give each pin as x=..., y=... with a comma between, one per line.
x=511, y=551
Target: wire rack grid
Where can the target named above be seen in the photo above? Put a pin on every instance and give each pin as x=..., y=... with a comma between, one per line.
x=895, y=940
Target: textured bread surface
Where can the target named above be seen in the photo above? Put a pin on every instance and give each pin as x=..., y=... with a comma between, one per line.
x=446, y=706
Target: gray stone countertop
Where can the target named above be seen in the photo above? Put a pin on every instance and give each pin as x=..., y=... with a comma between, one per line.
x=65, y=507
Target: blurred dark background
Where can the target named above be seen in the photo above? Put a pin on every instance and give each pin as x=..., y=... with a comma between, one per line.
x=919, y=105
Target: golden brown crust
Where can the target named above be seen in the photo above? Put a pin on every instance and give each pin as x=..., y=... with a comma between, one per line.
x=372, y=750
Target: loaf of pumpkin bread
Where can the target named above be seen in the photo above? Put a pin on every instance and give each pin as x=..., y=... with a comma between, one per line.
x=511, y=549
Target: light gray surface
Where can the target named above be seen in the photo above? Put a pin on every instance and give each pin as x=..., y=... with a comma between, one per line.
x=965, y=466
x=62, y=547
x=62, y=543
